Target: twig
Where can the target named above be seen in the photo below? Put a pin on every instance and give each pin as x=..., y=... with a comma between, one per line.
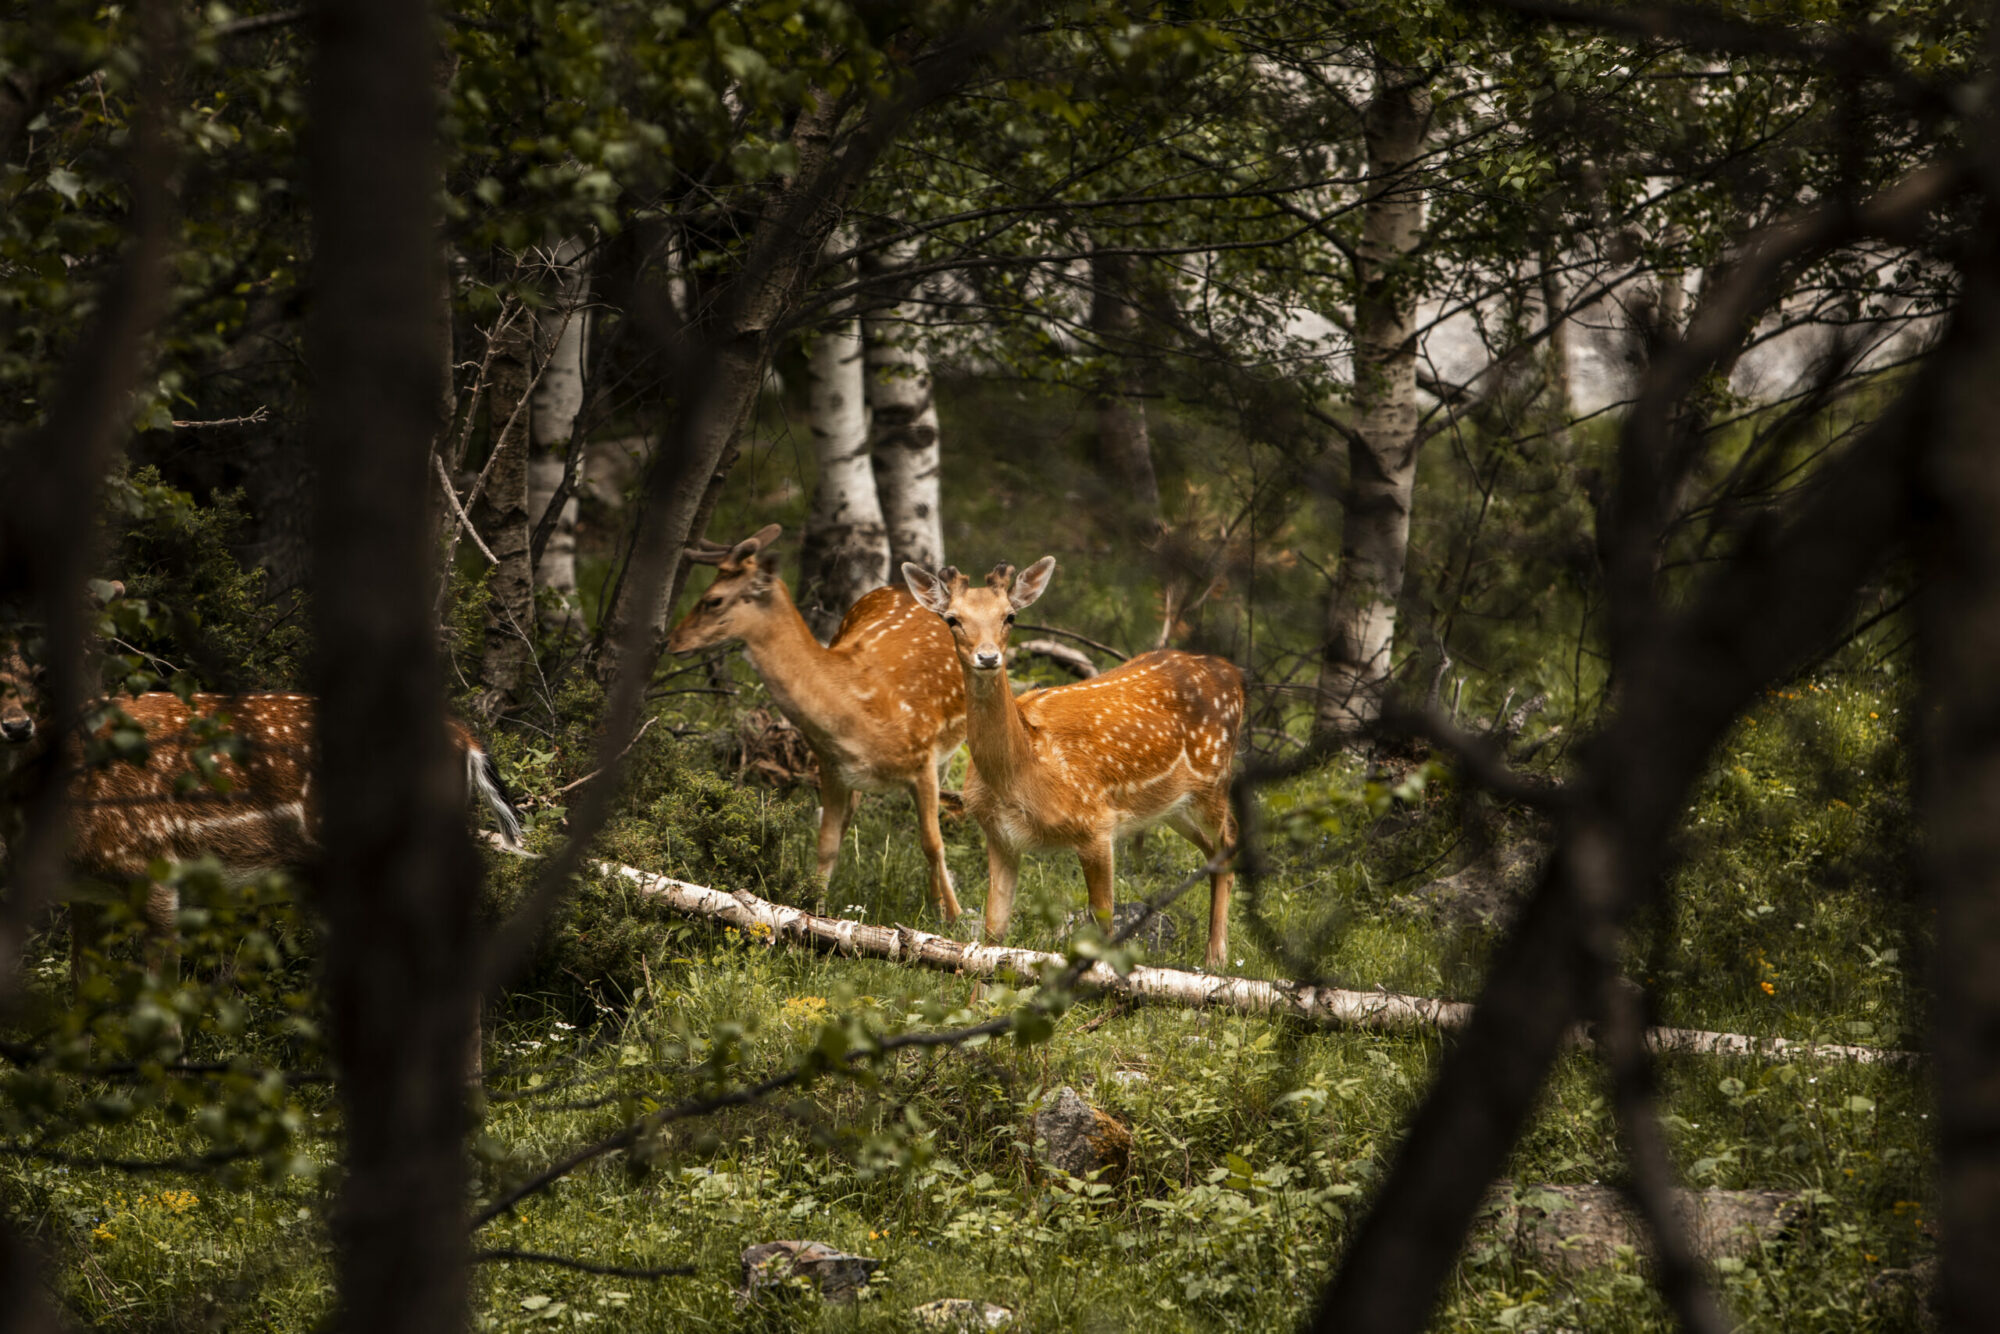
x=569, y=787
x=464, y=519
x=1072, y=660
x=262, y=414
x=1085, y=640
x=586, y=1266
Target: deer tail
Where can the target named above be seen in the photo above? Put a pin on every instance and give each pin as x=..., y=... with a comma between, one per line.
x=483, y=777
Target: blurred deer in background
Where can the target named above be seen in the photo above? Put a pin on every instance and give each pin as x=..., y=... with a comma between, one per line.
x=1074, y=766
x=226, y=776
x=881, y=706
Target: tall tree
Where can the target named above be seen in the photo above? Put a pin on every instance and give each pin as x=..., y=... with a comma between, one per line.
x=562, y=339
x=903, y=438
x=399, y=884
x=1382, y=447
x=502, y=513
x=1123, y=442
x=845, y=550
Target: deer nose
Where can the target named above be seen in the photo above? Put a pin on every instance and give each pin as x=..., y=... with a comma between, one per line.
x=17, y=729
x=986, y=659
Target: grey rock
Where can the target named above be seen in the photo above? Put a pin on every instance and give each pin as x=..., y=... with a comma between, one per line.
x=1076, y=1138
x=772, y=1265
x=1485, y=892
x=959, y=1313
x=1582, y=1227
x=1158, y=933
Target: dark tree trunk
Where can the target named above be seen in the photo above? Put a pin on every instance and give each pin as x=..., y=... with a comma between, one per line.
x=1123, y=441
x=1959, y=621
x=502, y=514
x=399, y=883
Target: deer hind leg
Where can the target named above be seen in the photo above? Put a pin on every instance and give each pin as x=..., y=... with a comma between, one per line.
x=1099, y=861
x=1209, y=825
x=925, y=789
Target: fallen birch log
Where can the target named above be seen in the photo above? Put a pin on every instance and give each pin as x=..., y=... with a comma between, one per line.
x=1325, y=1007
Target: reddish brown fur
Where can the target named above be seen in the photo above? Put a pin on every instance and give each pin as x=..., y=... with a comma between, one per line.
x=259, y=815
x=882, y=706
x=1075, y=766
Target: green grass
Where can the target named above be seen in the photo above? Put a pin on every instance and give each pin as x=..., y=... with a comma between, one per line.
x=1256, y=1144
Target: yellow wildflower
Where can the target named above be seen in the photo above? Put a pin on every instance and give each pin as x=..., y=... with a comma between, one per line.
x=1769, y=990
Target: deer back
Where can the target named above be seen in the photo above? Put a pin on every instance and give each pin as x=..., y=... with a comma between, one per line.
x=1141, y=737
x=224, y=775
x=902, y=670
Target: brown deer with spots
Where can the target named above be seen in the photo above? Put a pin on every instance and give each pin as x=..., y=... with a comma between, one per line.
x=1074, y=766
x=881, y=706
x=227, y=776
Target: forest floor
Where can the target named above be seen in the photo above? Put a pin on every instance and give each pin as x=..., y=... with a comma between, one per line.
x=1255, y=1143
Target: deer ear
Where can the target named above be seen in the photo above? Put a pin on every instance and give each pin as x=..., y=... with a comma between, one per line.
x=766, y=535
x=736, y=556
x=929, y=591
x=1033, y=581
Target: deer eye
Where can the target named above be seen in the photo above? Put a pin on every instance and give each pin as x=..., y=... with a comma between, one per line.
x=951, y=621
x=1010, y=618
x=711, y=604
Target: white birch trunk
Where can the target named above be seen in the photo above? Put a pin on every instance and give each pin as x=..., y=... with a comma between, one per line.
x=1323, y=1007
x=562, y=335
x=556, y=571
x=1382, y=459
x=903, y=432
x=562, y=340
x=845, y=549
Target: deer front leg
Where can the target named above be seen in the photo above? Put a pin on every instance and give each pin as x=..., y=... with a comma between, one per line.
x=925, y=789
x=1098, y=860
x=163, y=950
x=1003, y=865
x=835, y=801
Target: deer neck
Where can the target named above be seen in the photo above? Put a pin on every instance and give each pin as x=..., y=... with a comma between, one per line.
x=800, y=672
x=995, y=732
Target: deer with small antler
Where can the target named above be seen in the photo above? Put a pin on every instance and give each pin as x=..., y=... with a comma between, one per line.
x=226, y=776
x=1074, y=766
x=881, y=706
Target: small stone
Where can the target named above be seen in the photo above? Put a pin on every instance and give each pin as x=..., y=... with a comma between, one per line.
x=770, y=1266
x=958, y=1313
x=1074, y=1137
x=1485, y=892
x=1130, y=1078
x=1582, y=1227
x=1909, y=1296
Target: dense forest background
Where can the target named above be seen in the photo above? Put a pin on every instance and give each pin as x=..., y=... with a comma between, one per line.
x=1577, y=423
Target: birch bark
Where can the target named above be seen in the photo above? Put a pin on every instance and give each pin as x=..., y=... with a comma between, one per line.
x=845, y=550
x=562, y=336
x=1382, y=455
x=903, y=428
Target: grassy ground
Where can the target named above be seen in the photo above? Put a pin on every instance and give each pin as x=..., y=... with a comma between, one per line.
x=1255, y=1144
